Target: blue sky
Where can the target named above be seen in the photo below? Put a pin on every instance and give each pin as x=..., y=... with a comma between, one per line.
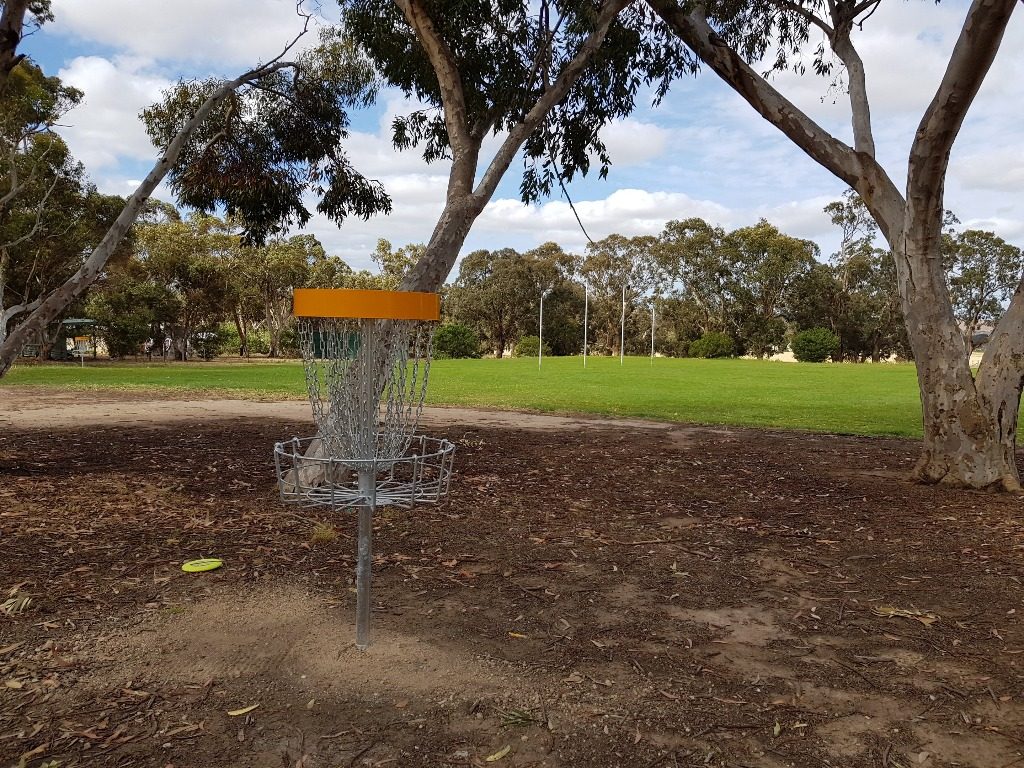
x=703, y=152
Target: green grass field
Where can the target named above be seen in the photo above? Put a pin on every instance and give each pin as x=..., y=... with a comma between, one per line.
x=855, y=399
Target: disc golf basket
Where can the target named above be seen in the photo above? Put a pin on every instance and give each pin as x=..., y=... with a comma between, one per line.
x=367, y=359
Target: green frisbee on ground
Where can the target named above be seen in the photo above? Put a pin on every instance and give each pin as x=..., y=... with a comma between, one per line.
x=198, y=566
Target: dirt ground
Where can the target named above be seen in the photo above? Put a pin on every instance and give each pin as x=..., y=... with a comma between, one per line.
x=592, y=593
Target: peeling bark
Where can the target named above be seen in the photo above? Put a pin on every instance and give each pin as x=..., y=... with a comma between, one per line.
x=12, y=23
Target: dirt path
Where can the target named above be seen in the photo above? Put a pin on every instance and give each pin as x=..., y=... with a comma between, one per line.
x=22, y=407
x=588, y=596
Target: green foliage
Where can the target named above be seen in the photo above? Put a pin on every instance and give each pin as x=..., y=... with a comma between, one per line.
x=765, y=264
x=507, y=54
x=983, y=273
x=740, y=282
x=815, y=345
x=127, y=310
x=394, y=264
x=712, y=345
x=454, y=340
x=529, y=346
x=498, y=294
x=613, y=265
x=269, y=145
x=209, y=341
x=50, y=216
x=290, y=341
x=258, y=341
x=855, y=294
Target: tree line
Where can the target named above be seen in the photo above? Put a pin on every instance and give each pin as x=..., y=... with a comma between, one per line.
x=190, y=286
x=754, y=287
x=184, y=286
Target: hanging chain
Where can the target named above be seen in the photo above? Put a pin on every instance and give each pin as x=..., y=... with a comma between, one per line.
x=367, y=383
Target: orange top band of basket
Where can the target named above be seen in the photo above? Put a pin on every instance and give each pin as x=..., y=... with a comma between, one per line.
x=371, y=305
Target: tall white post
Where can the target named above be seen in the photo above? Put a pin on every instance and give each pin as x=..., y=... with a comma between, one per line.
x=622, y=326
x=540, y=329
x=652, y=330
x=586, y=311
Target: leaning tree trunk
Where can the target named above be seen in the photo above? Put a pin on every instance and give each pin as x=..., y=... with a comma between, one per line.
x=58, y=300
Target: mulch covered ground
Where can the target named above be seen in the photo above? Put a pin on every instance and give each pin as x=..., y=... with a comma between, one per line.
x=602, y=597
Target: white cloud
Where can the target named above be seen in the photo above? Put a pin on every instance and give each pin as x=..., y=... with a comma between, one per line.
x=631, y=142
x=638, y=212
x=704, y=152
x=224, y=33
x=105, y=128
x=991, y=168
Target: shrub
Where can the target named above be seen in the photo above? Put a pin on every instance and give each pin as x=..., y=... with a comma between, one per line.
x=454, y=340
x=208, y=342
x=814, y=345
x=259, y=341
x=713, y=345
x=528, y=346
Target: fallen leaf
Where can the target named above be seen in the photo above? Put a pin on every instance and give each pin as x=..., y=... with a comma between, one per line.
x=15, y=684
x=517, y=635
x=243, y=710
x=891, y=611
x=499, y=754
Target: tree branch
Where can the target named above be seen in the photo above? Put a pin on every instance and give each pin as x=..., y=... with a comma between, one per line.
x=969, y=64
x=548, y=99
x=859, y=170
x=809, y=15
x=860, y=108
x=39, y=217
x=464, y=149
x=18, y=309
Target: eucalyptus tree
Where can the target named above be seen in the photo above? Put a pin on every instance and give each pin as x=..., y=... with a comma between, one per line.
x=289, y=112
x=494, y=294
x=617, y=271
x=192, y=261
x=970, y=422
x=42, y=187
x=691, y=261
x=766, y=263
x=983, y=272
x=542, y=78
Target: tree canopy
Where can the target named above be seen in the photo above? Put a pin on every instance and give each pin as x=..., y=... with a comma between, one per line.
x=274, y=141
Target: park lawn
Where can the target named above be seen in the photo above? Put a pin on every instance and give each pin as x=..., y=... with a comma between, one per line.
x=850, y=399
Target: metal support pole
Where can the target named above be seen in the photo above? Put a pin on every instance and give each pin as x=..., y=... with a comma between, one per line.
x=622, y=326
x=367, y=482
x=364, y=559
x=586, y=312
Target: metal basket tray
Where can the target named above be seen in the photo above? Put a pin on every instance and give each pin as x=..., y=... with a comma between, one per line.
x=421, y=475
